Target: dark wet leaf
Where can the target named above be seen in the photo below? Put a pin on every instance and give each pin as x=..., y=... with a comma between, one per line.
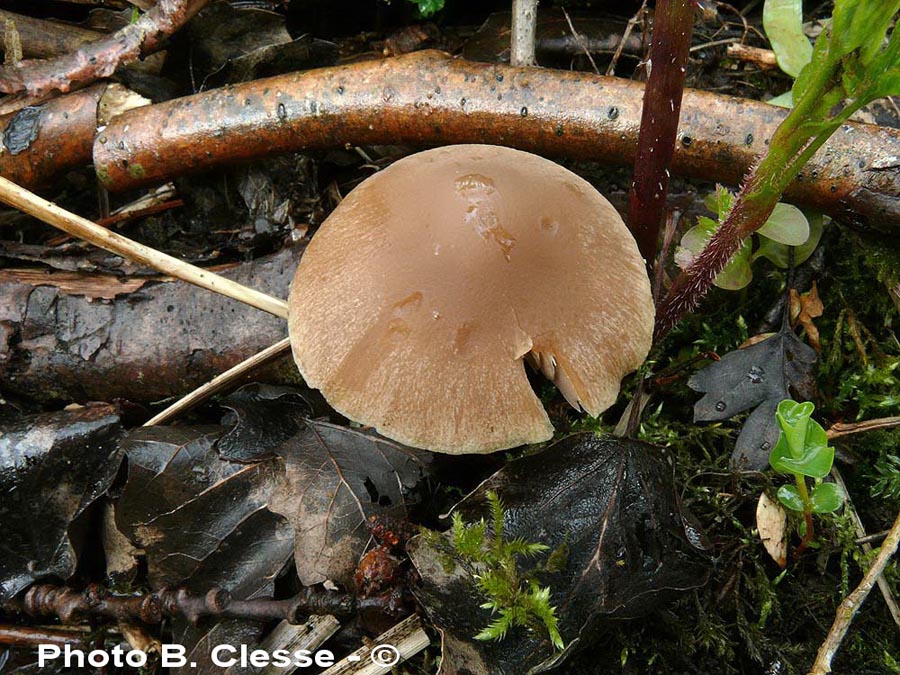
x=335, y=478
x=201, y=520
x=759, y=377
x=199, y=641
x=264, y=417
x=230, y=45
x=52, y=467
x=630, y=547
x=553, y=36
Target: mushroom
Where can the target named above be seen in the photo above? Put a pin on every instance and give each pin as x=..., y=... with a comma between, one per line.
x=418, y=299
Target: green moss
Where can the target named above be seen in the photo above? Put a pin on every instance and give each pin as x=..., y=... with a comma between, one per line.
x=136, y=171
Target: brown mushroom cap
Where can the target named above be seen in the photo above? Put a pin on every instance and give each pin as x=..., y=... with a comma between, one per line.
x=418, y=298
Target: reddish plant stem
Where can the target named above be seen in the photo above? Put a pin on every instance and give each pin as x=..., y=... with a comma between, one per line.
x=672, y=29
x=691, y=286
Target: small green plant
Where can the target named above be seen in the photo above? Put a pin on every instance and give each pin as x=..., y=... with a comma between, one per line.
x=516, y=596
x=787, y=226
x=854, y=61
x=428, y=7
x=886, y=478
x=803, y=450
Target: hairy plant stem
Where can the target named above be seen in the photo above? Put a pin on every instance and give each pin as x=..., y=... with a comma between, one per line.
x=794, y=143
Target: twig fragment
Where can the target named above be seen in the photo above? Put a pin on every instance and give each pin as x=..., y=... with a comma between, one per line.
x=100, y=58
x=95, y=602
x=883, y=586
x=50, y=213
x=32, y=636
x=851, y=604
x=839, y=429
x=524, y=28
x=221, y=382
x=394, y=646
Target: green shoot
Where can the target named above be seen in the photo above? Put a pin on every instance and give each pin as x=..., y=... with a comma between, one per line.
x=428, y=7
x=854, y=61
x=515, y=597
x=803, y=451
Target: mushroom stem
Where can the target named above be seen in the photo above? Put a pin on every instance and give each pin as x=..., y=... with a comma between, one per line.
x=48, y=212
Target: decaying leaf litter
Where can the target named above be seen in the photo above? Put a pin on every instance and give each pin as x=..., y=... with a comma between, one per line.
x=740, y=616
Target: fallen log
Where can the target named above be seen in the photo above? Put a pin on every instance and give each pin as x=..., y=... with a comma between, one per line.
x=41, y=141
x=41, y=38
x=428, y=98
x=162, y=339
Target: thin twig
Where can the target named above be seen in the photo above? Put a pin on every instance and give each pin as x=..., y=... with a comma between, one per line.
x=883, y=586
x=221, y=382
x=100, y=58
x=96, y=602
x=524, y=27
x=873, y=538
x=632, y=22
x=579, y=38
x=50, y=213
x=851, y=604
x=32, y=636
x=839, y=429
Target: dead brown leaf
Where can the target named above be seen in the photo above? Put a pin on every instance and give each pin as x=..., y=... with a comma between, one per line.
x=805, y=308
x=771, y=523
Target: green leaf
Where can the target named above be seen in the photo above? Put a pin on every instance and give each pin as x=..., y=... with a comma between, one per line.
x=787, y=225
x=558, y=559
x=779, y=254
x=789, y=495
x=429, y=7
x=468, y=540
x=821, y=61
x=496, y=506
x=538, y=601
x=861, y=24
x=793, y=418
x=826, y=498
x=785, y=100
x=815, y=462
x=783, y=23
x=737, y=272
x=720, y=202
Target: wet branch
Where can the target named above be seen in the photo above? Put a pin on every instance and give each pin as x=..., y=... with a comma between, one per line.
x=95, y=601
x=428, y=98
x=98, y=59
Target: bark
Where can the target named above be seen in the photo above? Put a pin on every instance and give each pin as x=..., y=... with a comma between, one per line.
x=40, y=38
x=96, y=601
x=524, y=27
x=160, y=340
x=428, y=98
x=40, y=142
x=100, y=58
